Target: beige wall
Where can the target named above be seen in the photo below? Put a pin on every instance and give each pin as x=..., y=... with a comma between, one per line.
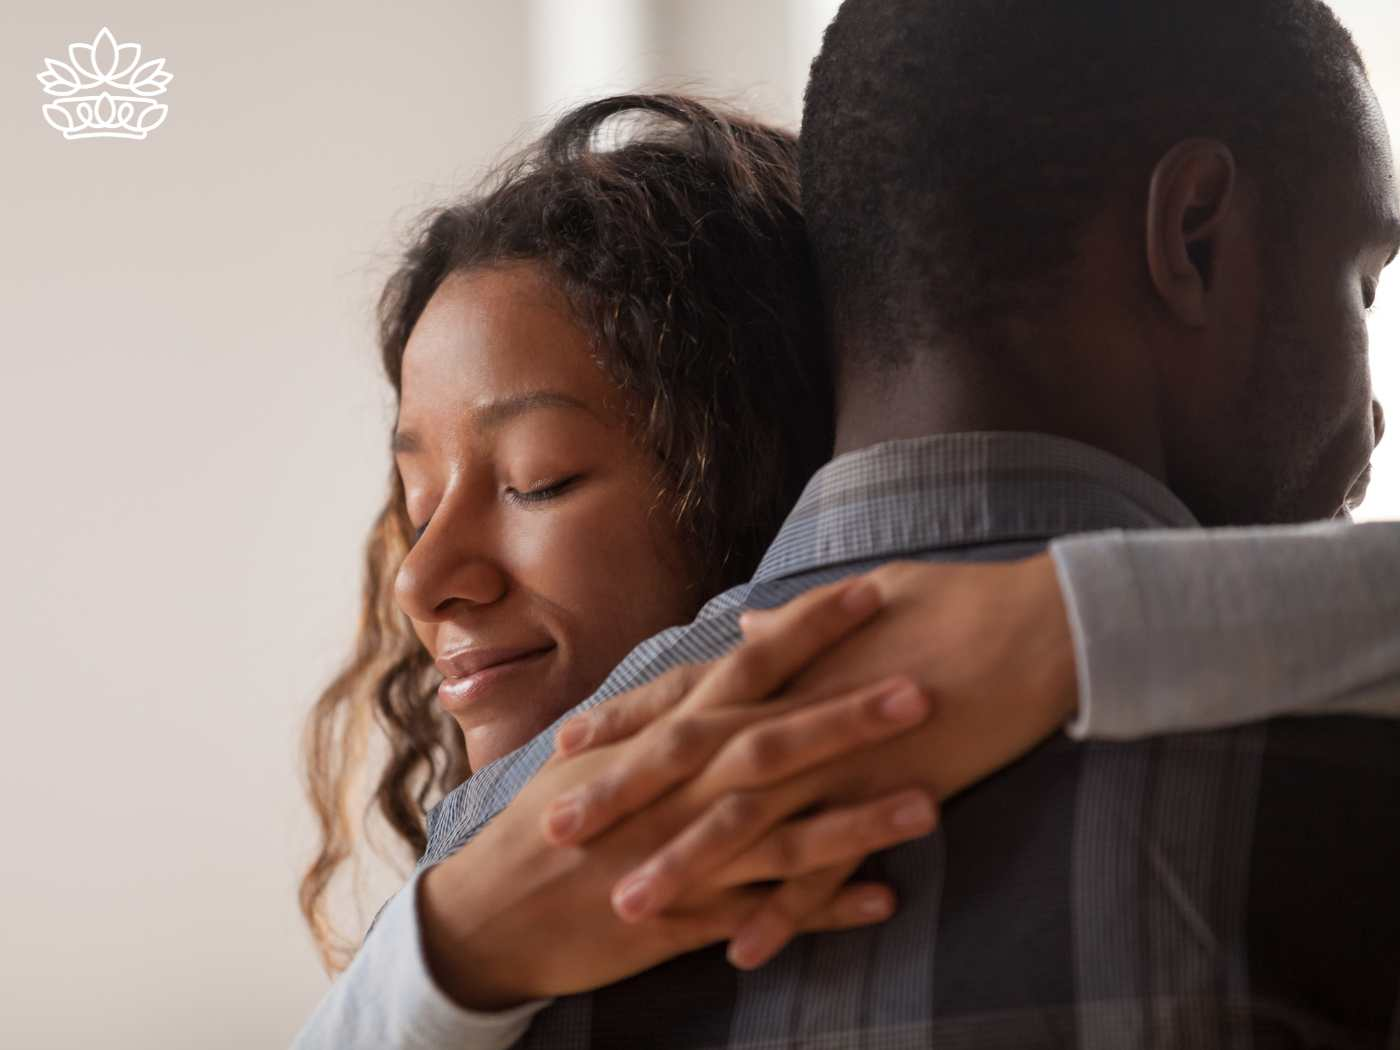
x=192, y=437
x=192, y=434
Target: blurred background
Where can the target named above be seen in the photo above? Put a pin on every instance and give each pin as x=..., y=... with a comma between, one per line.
x=195, y=425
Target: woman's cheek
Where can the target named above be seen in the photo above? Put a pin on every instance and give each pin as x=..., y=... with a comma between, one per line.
x=572, y=554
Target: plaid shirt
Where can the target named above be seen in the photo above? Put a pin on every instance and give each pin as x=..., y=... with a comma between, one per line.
x=1235, y=888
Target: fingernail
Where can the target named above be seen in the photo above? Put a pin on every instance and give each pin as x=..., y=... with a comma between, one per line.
x=573, y=734
x=914, y=813
x=747, y=947
x=861, y=598
x=751, y=618
x=874, y=906
x=565, y=817
x=633, y=896
x=905, y=704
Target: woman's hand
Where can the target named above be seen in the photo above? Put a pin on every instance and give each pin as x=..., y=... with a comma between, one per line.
x=989, y=644
x=511, y=917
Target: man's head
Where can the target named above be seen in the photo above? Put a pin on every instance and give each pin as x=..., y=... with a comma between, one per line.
x=1153, y=226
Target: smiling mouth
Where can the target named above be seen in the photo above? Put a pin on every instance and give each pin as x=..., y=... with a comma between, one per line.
x=457, y=693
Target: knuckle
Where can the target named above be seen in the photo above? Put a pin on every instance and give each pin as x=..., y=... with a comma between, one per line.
x=734, y=812
x=664, y=866
x=672, y=675
x=681, y=744
x=752, y=664
x=600, y=798
x=676, y=682
x=761, y=750
x=827, y=596
x=818, y=609
x=788, y=852
x=592, y=800
x=686, y=675
x=600, y=720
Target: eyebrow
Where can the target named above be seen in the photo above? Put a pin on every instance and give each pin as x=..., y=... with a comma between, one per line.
x=492, y=414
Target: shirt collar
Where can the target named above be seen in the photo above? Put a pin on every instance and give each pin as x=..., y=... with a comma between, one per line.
x=973, y=488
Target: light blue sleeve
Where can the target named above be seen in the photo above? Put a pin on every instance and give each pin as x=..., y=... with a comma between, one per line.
x=1185, y=629
x=387, y=1000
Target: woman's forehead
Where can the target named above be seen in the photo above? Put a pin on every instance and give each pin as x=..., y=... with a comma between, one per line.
x=493, y=344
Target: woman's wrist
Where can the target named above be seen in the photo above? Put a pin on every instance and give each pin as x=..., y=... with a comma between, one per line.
x=1058, y=680
x=473, y=978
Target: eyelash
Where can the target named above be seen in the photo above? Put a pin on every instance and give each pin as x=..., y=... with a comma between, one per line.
x=539, y=495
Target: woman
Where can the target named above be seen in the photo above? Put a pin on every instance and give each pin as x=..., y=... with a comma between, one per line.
x=611, y=382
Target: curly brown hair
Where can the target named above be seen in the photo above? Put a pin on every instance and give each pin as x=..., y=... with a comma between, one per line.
x=681, y=248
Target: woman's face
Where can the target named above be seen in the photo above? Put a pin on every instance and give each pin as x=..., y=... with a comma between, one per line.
x=542, y=554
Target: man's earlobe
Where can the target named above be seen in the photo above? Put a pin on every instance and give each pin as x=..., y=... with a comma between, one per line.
x=1188, y=199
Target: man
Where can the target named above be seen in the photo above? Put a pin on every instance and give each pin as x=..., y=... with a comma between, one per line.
x=1016, y=208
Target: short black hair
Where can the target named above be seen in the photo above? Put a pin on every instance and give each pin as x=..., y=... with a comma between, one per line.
x=954, y=150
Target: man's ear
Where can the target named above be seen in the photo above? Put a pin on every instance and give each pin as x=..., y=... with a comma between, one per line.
x=1188, y=200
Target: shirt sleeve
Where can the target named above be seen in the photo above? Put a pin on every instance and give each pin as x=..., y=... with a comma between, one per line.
x=387, y=999
x=1185, y=629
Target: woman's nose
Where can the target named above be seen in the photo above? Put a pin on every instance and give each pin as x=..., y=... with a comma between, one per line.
x=1378, y=414
x=437, y=573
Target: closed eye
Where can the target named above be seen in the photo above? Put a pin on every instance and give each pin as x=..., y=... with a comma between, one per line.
x=543, y=493
x=537, y=495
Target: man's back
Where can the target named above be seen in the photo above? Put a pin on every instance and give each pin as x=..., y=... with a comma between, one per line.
x=1231, y=888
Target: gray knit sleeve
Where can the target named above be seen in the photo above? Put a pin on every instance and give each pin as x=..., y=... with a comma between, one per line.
x=1187, y=629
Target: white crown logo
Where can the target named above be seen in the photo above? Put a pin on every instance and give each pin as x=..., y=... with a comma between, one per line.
x=129, y=113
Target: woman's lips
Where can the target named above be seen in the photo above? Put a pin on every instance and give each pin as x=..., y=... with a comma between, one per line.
x=456, y=693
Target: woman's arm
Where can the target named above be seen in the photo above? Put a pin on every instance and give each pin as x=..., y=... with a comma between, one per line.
x=387, y=997
x=1120, y=635
x=474, y=946
x=1177, y=630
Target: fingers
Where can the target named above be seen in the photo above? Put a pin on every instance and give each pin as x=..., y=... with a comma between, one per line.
x=671, y=750
x=783, y=746
x=774, y=923
x=761, y=922
x=783, y=742
x=845, y=835
x=661, y=756
x=859, y=904
x=816, y=618
x=813, y=622
x=819, y=901
x=788, y=617
x=796, y=848
x=624, y=715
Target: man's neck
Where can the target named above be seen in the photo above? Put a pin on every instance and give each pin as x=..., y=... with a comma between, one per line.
x=944, y=394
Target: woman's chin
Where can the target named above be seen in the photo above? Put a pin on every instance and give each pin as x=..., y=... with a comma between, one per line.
x=490, y=735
